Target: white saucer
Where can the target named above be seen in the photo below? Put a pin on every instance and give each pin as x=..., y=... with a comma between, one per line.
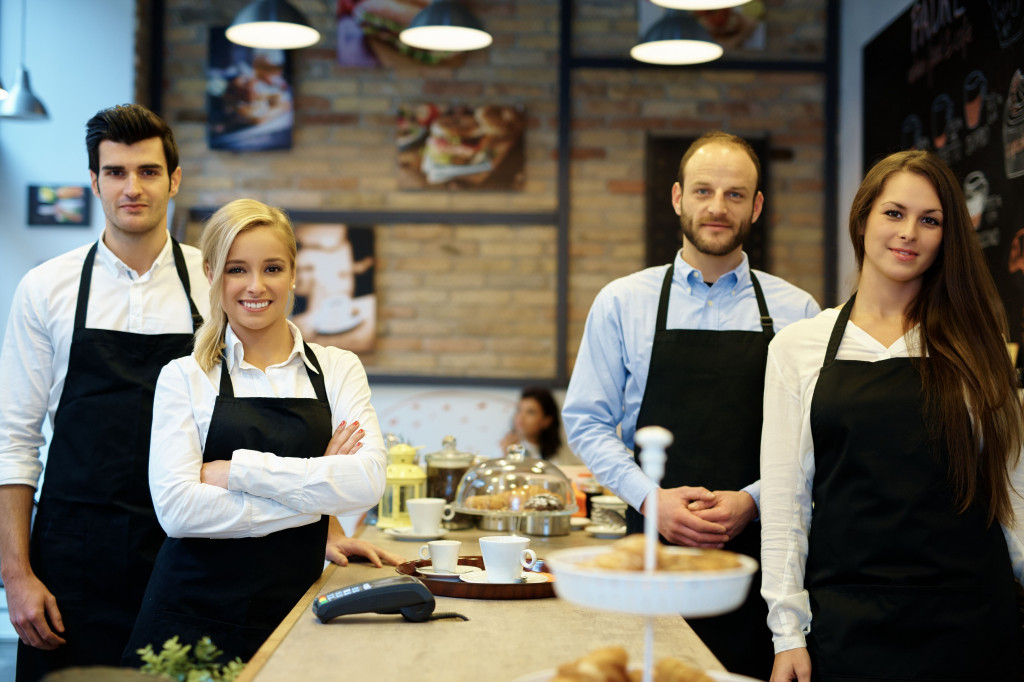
x=606, y=532
x=459, y=571
x=481, y=577
x=578, y=522
x=407, y=533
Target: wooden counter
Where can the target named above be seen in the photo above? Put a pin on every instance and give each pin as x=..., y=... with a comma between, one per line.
x=502, y=639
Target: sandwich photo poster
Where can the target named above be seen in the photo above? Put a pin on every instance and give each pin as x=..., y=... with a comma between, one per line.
x=461, y=147
x=248, y=97
x=335, y=300
x=368, y=35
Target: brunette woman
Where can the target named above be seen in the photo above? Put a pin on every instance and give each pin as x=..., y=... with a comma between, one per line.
x=890, y=451
x=247, y=462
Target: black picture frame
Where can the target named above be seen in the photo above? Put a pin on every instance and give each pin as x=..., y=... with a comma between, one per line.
x=57, y=205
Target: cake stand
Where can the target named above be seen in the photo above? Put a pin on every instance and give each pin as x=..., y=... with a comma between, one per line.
x=650, y=593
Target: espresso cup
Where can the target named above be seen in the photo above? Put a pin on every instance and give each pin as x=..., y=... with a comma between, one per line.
x=608, y=510
x=426, y=514
x=443, y=554
x=505, y=556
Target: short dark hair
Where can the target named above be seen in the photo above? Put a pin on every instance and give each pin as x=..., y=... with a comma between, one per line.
x=721, y=137
x=128, y=124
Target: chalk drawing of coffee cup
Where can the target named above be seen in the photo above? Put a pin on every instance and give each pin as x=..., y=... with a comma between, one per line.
x=942, y=118
x=976, y=194
x=975, y=89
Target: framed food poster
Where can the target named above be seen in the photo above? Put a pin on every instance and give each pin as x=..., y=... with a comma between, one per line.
x=67, y=205
x=249, y=103
x=335, y=302
x=461, y=147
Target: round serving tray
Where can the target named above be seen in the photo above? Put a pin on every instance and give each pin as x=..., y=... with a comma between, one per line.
x=689, y=594
x=445, y=587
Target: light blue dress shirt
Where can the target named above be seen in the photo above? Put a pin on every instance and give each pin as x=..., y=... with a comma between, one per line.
x=610, y=375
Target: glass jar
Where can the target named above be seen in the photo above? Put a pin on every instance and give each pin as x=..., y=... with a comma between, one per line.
x=445, y=469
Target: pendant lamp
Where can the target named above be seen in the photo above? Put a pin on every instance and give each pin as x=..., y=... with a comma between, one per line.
x=21, y=103
x=677, y=38
x=272, y=25
x=446, y=25
x=699, y=4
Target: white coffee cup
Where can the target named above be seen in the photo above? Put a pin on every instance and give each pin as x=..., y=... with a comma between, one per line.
x=426, y=514
x=443, y=554
x=505, y=556
x=607, y=503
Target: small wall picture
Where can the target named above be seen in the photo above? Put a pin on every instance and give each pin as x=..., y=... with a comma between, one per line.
x=461, y=147
x=335, y=303
x=66, y=205
x=249, y=102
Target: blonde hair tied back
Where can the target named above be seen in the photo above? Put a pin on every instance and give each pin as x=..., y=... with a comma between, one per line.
x=218, y=235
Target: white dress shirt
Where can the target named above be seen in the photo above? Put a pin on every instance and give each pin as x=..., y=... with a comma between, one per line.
x=37, y=344
x=610, y=376
x=266, y=493
x=787, y=464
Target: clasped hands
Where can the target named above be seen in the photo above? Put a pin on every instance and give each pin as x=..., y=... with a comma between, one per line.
x=698, y=517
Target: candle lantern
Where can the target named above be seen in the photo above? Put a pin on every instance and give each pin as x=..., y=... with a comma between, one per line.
x=405, y=481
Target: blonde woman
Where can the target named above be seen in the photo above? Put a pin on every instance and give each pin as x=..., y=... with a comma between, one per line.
x=243, y=471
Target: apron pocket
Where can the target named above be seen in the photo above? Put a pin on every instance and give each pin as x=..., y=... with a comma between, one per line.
x=58, y=556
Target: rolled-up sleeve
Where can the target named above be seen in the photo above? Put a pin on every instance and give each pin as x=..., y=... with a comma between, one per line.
x=26, y=365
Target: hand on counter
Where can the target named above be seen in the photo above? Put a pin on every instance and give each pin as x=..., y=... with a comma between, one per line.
x=794, y=664
x=681, y=526
x=340, y=547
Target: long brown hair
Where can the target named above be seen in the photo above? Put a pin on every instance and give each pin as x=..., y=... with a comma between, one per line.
x=963, y=335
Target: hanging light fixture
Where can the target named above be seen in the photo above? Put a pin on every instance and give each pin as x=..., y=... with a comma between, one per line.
x=21, y=103
x=272, y=25
x=446, y=25
x=699, y=4
x=677, y=38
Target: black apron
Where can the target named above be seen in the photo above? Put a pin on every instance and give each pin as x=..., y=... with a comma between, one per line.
x=901, y=586
x=707, y=388
x=95, y=535
x=237, y=590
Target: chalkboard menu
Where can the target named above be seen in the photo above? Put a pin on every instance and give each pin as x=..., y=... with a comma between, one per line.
x=948, y=76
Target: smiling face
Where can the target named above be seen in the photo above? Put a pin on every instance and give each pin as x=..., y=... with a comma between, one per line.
x=718, y=200
x=257, y=280
x=134, y=186
x=903, y=231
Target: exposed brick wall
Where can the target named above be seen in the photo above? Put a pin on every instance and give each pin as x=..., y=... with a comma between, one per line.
x=481, y=300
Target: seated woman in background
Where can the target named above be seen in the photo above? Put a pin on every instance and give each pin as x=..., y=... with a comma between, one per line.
x=249, y=448
x=537, y=427
x=890, y=455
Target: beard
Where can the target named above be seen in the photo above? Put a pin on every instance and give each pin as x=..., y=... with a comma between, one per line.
x=709, y=245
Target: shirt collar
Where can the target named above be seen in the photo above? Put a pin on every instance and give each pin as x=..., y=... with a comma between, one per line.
x=109, y=260
x=737, y=279
x=235, y=353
